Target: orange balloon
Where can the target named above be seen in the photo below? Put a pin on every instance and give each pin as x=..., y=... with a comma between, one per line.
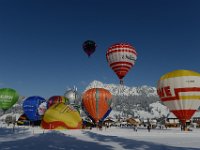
x=96, y=102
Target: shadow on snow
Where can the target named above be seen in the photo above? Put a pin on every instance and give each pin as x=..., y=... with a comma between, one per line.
x=59, y=141
x=134, y=144
x=47, y=142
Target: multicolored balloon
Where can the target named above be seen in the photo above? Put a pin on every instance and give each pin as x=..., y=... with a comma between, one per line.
x=61, y=116
x=179, y=90
x=30, y=107
x=8, y=97
x=121, y=58
x=89, y=47
x=97, y=102
x=56, y=99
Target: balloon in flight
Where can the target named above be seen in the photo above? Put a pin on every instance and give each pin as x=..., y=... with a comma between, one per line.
x=89, y=47
x=121, y=58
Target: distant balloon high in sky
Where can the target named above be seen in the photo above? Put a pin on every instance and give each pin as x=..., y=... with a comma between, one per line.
x=97, y=102
x=89, y=47
x=180, y=91
x=121, y=58
x=8, y=97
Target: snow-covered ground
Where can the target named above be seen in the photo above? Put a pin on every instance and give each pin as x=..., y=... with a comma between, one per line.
x=114, y=138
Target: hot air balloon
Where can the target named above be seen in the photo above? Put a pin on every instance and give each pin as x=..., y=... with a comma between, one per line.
x=30, y=107
x=24, y=121
x=56, y=99
x=121, y=58
x=106, y=114
x=8, y=97
x=89, y=47
x=179, y=90
x=96, y=102
x=71, y=95
x=61, y=116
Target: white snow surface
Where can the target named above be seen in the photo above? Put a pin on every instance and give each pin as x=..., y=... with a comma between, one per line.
x=114, y=138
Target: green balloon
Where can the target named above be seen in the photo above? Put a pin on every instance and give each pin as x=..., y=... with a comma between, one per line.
x=8, y=97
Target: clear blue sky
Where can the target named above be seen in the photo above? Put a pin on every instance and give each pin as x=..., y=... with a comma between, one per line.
x=41, y=41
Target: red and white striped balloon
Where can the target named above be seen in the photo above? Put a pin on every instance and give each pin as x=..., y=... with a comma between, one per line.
x=121, y=57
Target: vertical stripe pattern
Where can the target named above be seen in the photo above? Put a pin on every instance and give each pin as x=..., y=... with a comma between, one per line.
x=96, y=102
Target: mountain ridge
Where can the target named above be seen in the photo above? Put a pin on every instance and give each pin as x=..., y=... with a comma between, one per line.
x=123, y=90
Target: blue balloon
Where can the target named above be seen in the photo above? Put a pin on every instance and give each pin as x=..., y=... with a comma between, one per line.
x=102, y=119
x=30, y=107
x=106, y=114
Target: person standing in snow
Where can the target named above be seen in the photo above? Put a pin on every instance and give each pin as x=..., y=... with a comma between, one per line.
x=135, y=127
x=149, y=127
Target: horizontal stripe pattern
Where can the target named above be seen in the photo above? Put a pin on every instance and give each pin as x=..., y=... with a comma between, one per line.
x=179, y=73
x=182, y=104
x=180, y=82
x=189, y=97
x=177, y=95
x=121, y=46
x=183, y=115
x=121, y=50
x=121, y=57
x=122, y=63
x=122, y=67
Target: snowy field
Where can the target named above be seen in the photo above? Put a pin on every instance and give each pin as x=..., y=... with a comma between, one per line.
x=28, y=138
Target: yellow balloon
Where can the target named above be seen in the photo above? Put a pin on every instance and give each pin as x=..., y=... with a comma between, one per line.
x=61, y=116
x=179, y=90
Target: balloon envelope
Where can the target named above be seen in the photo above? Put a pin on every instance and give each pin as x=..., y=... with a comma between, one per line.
x=96, y=102
x=61, y=116
x=71, y=95
x=89, y=47
x=179, y=90
x=8, y=97
x=121, y=58
x=56, y=99
x=24, y=121
x=30, y=107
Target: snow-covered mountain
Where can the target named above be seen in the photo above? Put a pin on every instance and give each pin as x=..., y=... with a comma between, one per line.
x=118, y=90
x=140, y=101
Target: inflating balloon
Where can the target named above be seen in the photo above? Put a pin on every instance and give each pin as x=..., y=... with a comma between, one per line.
x=71, y=95
x=89, y=47
x=23, y=120
x=30, y=107
x=8, y=97
x=179, y=90
x=121, y=58
x=56, y=99
x=61, y=116
x=97, y=102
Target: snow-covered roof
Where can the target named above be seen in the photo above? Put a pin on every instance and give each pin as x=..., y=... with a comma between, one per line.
x=196, y=114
